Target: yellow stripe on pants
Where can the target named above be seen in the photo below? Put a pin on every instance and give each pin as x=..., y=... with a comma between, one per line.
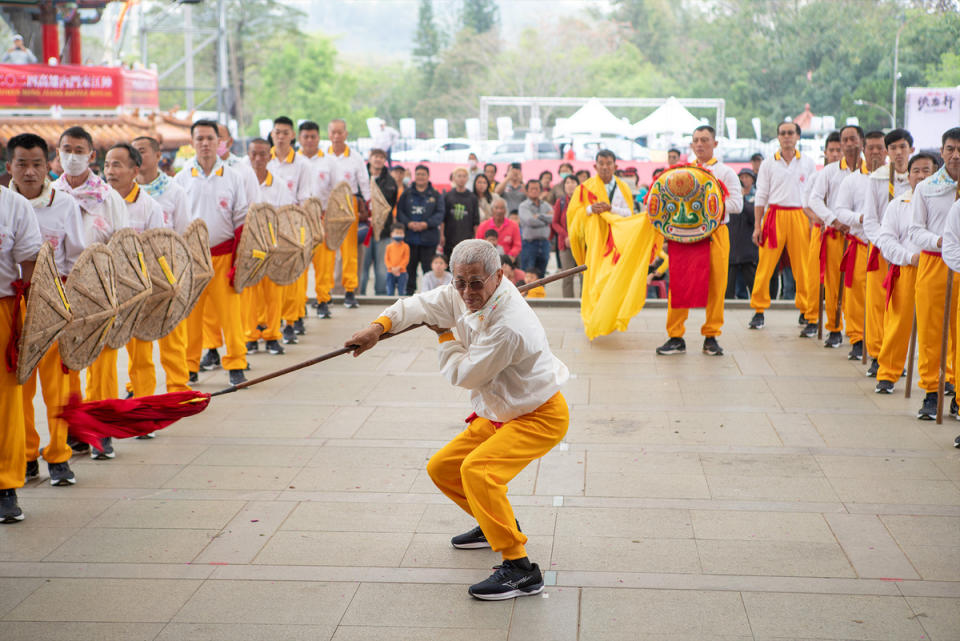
x=876, y=308
x=55, y=387
x=474, y=468
x=221, y=298
x=931, y=290
x=13, y=459
x=854, y=297
x=719, y=263
x=897, y=325
x=793, y=235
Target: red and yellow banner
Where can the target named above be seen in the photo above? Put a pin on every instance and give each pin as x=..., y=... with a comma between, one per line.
x=77, y=86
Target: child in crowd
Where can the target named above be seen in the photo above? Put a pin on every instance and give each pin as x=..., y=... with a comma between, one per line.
x=536, y=292
x=510, y=272
x=438, y=275
x=396, y=258
x=492, y=237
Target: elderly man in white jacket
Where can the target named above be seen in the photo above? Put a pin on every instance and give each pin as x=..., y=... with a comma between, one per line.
x=493, y=344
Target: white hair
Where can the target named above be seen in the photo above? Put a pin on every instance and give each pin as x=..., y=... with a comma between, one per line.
x=475, y=251
x=497, y=198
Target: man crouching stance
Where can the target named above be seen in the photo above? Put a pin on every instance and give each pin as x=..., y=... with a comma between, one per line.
x=492, y=344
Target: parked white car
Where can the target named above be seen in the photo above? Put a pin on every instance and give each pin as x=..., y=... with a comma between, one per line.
x=456, y=150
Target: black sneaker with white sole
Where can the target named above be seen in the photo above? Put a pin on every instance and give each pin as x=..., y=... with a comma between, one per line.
x=10, y=511
x=193, y=378
x=79, y=447
x=289, y=336
x=884, y=387
x=298, y=327
x=253, y=347
x=856, y=351
x=949, y=389
x=756, y=322
x=210, y=361
x=350, y=301
x=928, y=410
x=147, y=437
x=802, y=320
x=105, y=450
x=61, y=474
x=33, y=471
x=873, y=369
x=834, y=339
x=954, y=408
x=809, y=330
x=323, y=310
x=237, y=377
x=274, y=347
x=474, y=539
x=510, y=579
x=675, y=345
x=712, y=347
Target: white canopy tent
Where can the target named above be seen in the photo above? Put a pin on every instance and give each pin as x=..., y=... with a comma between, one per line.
x=669, y=118
x=593, y=119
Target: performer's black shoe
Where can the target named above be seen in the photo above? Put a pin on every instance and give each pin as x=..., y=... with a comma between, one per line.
x=949, y=389
x=104, y=452
x=510, y=579
x=956, y=442
x=211, y=360
x=928, y=411
x=79, y=447
x=33, y=471
x=298, y=327
x=471, y=540
x=274, y=347
x=193, y=378
x=129, y=395
x=712, y=347
x=237, y=377
x=323, y=310
x=61, y=474
x=10, y=511
x=954, y=408
x=834, y=339
x=809, y=330
x=289, y=336
x=147, y=437
x=873, y=369
x=253, y=347
x=856, y=351
x=350, y=301
x=261, y=327
x=802, y=321
x=675, y=345
x=884, y=387
x=756, y=322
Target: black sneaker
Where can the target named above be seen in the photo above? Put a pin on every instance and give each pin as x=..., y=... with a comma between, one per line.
x=756, y=322
x=674, y=345
x=956, y=442
x=79, y=447
x=261, y=327
x=953, y=407
x=323, y=310
x=949, y=389
x=802, y=321
x=129, y=395
x=33, y=471
x=712, y=347
x=193, y=378
x=350, y=301
x=928, y=411
x=237, y=377
x=147, y=437
x=315, y=305
x=10, y=511
x=253, y=347
x=509, y=580
x=884, y=387
x=809, y=330
x=289, y=336
x=61, y=474
x=211, y=360
x=105, y=452
x=872, y=370
x=856, y=351
x=274, y=347
x=834, y=339
x=474, y=539
x=298, y=327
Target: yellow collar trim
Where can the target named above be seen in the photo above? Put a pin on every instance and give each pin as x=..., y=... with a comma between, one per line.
x=319, y=154
x=778, y=156
x=712, y=161
x=195, y=171
x=346, y=151
x=132, y=196
x=863, y=165
x=269, y=180
x=288, y=159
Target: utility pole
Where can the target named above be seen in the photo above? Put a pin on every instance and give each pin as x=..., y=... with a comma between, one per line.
x=223, y=82
x=188, y=54
x=896, y=70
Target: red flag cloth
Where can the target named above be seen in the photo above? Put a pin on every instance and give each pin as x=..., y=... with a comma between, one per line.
x=849, y=261
x=769, y=230
x=13, y=344
x=873, y=262
x=891, y=281
x=470, y=419
x=94, y=420
x=689, y=273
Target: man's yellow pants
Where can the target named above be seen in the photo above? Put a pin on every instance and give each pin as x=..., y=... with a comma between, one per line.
x=293, y=298
x=212, y=337
x=220, y=297
x=854, y=296
x=827, y=253
x=13, y=457
x=102, y=381
x=261, y=304
x=325, y=261
x=719, y=263
x=474, y=468
x=173, y=359
x=792, y=234
x=931, y=292
x=56, y=388
x=876, y=307
x=897, y=325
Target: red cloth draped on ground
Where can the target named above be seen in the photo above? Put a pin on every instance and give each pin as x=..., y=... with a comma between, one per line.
x=849, y=261
x=229, y=247
x=891, y=281
x=474, y=416
x=873, y=262
x=769, y=229
x=830, y=232
x=689, y=273
x=124, y=418
x=13, y=345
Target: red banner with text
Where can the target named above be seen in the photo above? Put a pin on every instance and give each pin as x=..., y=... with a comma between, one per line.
x=77, y=87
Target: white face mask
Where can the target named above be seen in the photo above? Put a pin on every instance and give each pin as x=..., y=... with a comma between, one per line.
x=74, y=164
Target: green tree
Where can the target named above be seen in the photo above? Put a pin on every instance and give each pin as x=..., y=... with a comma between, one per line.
x=428, y=42
x=480, y=16
x=947, y=74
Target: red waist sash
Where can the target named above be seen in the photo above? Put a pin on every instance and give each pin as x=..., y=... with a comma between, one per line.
x=849, y=261
x=229, y=247
x=470, y=419
x=769, y=229
x=873, y=262
x=828, y=232
x=893, y=274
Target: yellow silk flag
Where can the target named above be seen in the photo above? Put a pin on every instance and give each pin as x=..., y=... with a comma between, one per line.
x=617, y=253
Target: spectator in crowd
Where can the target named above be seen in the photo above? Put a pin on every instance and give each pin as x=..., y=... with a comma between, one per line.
x=461, y=213
x=54, y=168
x=565, y=169
x=559, y=225
x=18, y=54
x=673, y=157
x=511, y=272
x=546, y=185
x=373, y=253
x=473, y=168
x=492, y=237
x=481, y=189
x=658, y=271
x=536, y=217
x=755, y=161
x=537, y=292
x=400, y=176
x=490, y=171
x=438, y=276
x=508, y=232
x=385, y=139
x=743, y=253
x=657, y=172
x=420, y=210
x=512, y=189
x=640, y=198
x=395, y=261
x=582, y=175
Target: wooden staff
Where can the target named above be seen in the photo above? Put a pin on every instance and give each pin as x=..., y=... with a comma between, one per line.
x=911, y=354
x=843, y=254
x=820, y=313
x=941, y=383
x=566, y=273
x=866, y=315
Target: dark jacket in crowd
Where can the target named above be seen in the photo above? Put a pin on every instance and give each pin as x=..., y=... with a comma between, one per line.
x=742, y=249
x=461, y=218
x=388, y=186
x=421, y=206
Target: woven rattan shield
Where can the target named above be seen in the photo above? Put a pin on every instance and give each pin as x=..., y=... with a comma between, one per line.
x=133, y=284
x=170, y=266
x=92, y=292
x=255, y=247
x=198, y=242
x=339, y=217
x=48, y=312
x=293, y=247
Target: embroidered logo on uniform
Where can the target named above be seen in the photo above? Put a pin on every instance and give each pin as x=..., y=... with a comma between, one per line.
x=346, y=175
x=100, y=222
x=224, y=203
x=53, y=240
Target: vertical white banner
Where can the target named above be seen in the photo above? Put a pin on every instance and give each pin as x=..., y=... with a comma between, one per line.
x=441, y=128
x=731, y=124
x=930, y=112
x=473, y=128
x=408, y=128
x=504, y=128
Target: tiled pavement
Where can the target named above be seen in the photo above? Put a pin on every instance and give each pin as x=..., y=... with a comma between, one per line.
x=766, y=495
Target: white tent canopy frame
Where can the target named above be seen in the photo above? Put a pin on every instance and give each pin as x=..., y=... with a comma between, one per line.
x=670, y=117
x=593, y=118
x=557, y=101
